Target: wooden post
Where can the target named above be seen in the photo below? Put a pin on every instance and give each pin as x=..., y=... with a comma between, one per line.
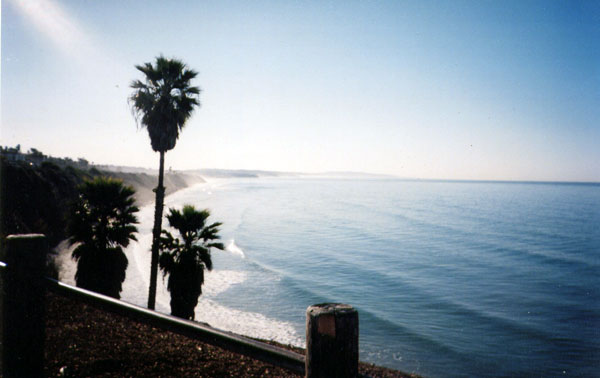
x=331, y=341
x=24, y=306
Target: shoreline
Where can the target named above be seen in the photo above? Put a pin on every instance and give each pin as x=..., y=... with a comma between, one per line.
x=84, y=341
x=76, y=332
x=144, y=183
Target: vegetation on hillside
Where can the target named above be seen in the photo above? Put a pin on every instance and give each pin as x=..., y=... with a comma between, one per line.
x=36, y=198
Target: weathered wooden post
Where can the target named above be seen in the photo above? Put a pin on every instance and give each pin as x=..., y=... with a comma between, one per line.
x=24, y=306
x=331, y=341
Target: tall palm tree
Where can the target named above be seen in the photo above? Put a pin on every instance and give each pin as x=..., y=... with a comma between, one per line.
x=184, y=259
x=102, y=221
x=162, y=103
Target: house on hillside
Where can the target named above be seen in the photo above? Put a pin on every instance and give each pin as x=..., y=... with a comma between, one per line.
x=36, y=157
x=12, y=153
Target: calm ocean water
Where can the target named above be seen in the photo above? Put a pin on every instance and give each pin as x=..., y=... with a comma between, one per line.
x=449, y=278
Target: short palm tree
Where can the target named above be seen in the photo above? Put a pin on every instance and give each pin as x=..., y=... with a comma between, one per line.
x=162, y=103
x=102, y=222
x=184, y=259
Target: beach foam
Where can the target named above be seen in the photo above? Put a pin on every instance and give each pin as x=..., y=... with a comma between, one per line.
x=246, y=323
x=135, y=286
x=233, y=248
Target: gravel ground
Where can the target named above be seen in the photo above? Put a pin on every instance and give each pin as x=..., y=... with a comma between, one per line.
x=82, y=341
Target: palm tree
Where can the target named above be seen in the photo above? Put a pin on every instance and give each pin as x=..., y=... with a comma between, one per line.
x=102, y=221
x=184, y=259
x=162, y=103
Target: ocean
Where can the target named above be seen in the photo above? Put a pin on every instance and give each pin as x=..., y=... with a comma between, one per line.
x=450, y=279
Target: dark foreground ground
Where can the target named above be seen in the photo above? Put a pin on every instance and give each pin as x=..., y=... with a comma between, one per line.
x=82, y=341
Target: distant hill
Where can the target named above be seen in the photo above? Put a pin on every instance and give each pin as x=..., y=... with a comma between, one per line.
x=356, y=175
x=231, y=173
x=242, y=173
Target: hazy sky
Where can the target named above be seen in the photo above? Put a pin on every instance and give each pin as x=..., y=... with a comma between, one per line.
x=442, y=89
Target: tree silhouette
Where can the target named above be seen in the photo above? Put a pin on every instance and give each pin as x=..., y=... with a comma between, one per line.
x=162, y=103
x=184, y=259
x=102, y=221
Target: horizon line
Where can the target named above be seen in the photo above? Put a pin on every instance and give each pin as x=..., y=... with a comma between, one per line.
x=374, y=175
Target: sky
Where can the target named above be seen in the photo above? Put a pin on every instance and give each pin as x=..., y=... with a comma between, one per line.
x=483, y=90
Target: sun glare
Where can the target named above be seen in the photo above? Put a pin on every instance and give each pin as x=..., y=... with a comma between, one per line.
x=55, y=24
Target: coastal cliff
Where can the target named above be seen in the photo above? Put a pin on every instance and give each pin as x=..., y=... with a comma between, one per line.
x=37, y=198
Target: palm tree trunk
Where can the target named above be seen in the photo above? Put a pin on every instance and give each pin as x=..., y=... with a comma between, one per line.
x=158, y=212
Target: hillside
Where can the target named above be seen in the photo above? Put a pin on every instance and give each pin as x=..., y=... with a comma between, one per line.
x=37, y=198
x=144, y=183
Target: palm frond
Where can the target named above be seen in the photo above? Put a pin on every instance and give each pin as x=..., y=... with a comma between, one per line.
x=220, y=246
x=184, y=258
x=165, y=101
x=102, y=221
